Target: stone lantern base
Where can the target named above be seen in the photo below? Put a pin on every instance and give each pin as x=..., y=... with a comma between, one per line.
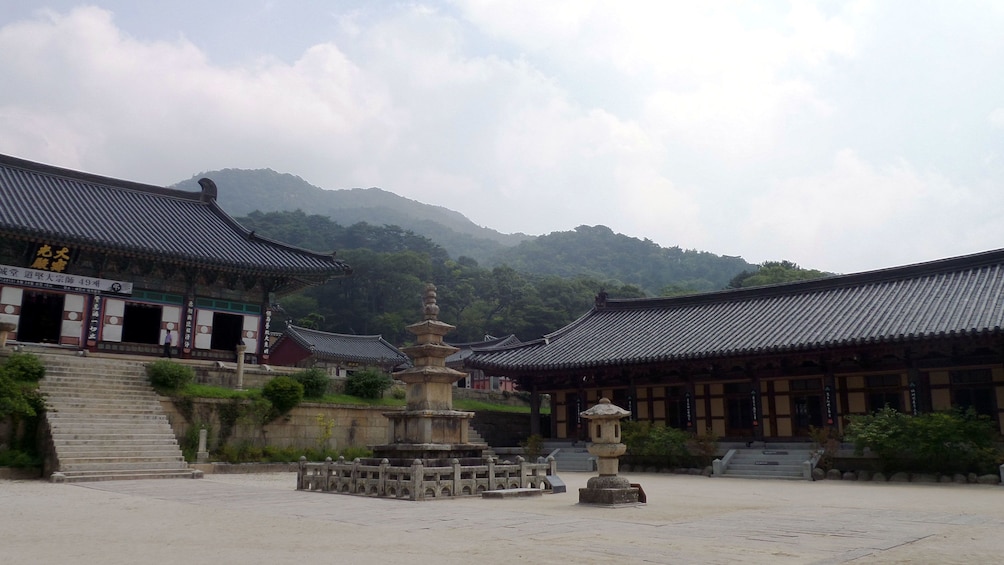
x=608, y=490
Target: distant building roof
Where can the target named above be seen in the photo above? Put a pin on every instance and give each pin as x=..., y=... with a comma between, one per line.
x=949, y=297
x=488, y=343
x=90, y=211
x=363, y=349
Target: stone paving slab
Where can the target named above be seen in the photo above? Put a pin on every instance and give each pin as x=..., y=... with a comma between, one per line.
x=252, y=519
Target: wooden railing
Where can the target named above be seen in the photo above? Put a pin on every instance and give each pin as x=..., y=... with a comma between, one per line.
x=418, y=482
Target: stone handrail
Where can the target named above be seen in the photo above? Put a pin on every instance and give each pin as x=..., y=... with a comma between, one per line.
x=419, y=482
x=718, y=466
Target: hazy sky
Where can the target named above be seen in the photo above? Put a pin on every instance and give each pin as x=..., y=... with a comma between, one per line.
x=844, y=136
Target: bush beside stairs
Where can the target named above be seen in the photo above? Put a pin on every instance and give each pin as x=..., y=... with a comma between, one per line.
x=106, y=422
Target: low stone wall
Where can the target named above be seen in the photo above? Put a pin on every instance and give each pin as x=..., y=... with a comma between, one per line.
x=20, y=474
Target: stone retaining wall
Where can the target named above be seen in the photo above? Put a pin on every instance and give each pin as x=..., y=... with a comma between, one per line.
x=350, y=426
x=305, y=426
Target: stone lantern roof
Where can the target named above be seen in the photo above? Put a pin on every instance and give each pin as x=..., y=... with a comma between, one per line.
x=605, y=410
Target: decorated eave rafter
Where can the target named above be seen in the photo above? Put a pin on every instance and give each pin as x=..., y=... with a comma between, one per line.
x=97, y=214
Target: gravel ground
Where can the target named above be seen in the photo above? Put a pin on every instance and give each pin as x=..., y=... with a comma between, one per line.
x=251, y=519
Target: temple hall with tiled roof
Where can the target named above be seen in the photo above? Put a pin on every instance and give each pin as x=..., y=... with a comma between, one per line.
x=336, y=353
x=774, y=361
x=98, y=263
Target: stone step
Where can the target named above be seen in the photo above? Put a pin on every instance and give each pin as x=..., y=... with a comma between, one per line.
x=63, y=416
x=100, y=405
x=117, y=450
x=122, y=464
x=574, y=459
x=728, y=475
x=92, y=476
x=152, y=438
x=153, y=441
x=106, y=384
x=97, y=431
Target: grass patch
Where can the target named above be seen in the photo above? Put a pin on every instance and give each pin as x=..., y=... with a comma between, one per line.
x=349, y=399
x=482, y=406
x=193, y=390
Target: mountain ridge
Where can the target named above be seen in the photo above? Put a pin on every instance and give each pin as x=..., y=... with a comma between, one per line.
x=594, y=251
x=269, y=191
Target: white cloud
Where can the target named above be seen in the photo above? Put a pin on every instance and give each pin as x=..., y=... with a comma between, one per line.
x=716, y=126
x=857, y=216
x=997, y=118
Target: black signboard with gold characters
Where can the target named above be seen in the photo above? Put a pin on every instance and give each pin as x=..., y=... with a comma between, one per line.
x=55, y=258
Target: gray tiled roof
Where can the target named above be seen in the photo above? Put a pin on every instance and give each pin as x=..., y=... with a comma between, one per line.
x=89, y=211
x=365, y=349
x=962, y=295
x=490, y=342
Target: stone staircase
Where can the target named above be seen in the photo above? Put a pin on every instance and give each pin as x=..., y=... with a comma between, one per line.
x=474, y=437
x=570, y=456
x=106, y=422
x=765, y=461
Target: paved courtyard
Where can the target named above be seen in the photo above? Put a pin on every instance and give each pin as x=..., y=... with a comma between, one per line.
x=250, y=519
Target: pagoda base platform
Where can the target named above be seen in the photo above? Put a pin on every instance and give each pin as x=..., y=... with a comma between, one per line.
x=431, y=454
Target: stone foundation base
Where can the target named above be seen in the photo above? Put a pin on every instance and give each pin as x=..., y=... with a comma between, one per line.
x=608, y=496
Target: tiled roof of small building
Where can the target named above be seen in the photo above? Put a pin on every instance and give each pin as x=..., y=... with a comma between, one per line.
x=489, y=343
x=364, y=349
x=957, y=296
x=90, y=211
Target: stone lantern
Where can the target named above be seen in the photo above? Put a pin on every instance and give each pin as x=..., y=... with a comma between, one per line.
x=605, y=431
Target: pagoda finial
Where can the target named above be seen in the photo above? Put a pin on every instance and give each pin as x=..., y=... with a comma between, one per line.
x=431, y=309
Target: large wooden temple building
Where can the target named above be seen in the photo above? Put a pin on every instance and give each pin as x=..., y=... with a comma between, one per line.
x=102, y=264
x=772, y=362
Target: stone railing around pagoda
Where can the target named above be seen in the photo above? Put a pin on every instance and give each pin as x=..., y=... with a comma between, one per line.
x=422, y=480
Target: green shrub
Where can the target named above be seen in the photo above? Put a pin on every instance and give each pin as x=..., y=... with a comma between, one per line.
x=169, y=375
x=284, y=393
x=533, y=447
x=24, y=367
x=703, y=448
x=937, y=442
x=315, y=382
x=658, y=445
x=368, y=383
x=16, y=458
x=14, y=400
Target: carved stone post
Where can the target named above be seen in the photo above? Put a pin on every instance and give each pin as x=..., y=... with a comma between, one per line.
x=241, y=348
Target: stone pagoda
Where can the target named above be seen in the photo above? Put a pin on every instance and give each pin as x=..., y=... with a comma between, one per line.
x=429, y=429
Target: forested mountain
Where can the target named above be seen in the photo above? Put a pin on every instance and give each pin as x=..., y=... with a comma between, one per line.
x=244, y=191
x=598, y=252
x=391, y=266
x=489, y=283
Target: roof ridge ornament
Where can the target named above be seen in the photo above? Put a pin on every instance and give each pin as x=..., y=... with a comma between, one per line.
x=209, y=190
x=601, y=299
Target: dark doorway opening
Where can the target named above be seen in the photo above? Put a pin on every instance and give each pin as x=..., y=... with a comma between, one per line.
x=227, y=331
x=807, y=413
x=141, y=323
x=573, y=405
x=738, y=410
x=41, y=318
x=806, y=405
